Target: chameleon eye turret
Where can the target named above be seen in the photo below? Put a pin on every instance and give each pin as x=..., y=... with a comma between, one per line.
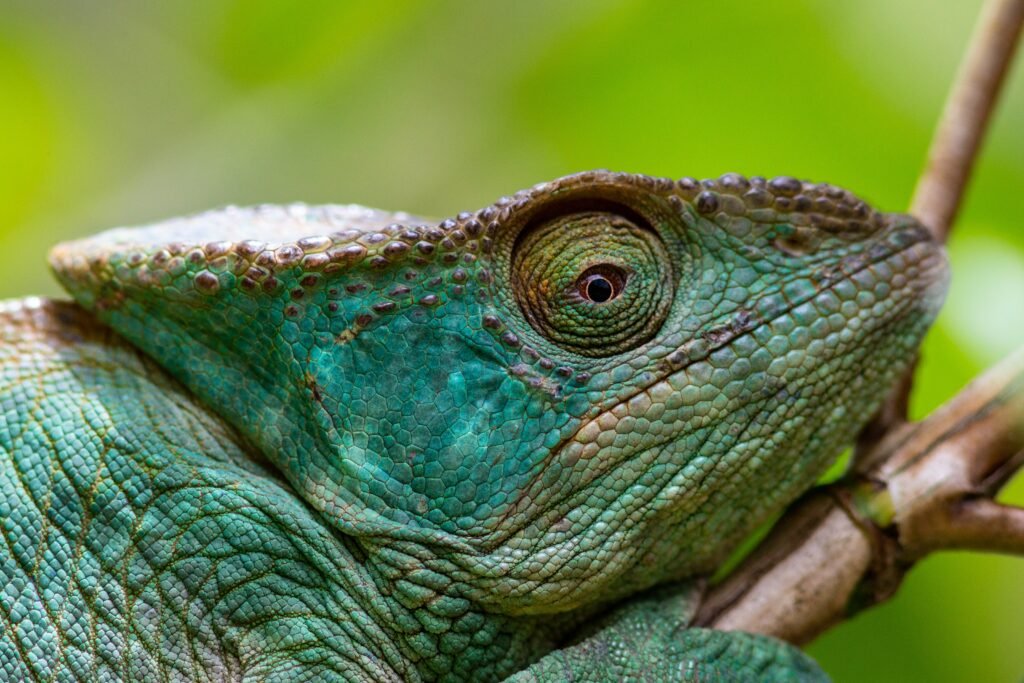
x=593, y=283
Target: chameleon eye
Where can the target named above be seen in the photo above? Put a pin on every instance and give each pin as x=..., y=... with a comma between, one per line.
x=595, y=283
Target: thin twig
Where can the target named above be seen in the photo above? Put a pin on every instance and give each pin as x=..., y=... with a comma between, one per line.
x=966, y=115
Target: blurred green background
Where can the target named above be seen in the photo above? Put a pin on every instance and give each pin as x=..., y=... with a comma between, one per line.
x=123, y=112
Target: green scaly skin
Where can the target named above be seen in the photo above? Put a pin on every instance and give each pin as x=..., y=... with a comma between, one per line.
x=332, y=443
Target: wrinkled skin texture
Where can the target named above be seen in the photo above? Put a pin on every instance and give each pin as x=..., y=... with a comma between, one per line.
x=332, y=443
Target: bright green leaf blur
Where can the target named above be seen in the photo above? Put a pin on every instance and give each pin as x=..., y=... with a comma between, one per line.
x=128, y=111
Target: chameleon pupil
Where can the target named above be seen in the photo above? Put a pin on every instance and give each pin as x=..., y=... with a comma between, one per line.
x=599, y=289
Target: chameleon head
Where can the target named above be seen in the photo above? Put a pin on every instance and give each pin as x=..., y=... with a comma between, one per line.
x=592, y=386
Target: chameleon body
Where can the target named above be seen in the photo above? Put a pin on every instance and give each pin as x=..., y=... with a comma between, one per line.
x=334, y=443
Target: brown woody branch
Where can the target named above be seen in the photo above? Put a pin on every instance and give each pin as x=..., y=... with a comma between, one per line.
x=924, y=488
x=914, y=488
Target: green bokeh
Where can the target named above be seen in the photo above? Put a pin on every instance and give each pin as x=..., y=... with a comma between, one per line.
x=124, y=112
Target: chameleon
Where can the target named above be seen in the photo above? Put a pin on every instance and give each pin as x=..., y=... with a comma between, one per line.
x=298, y=443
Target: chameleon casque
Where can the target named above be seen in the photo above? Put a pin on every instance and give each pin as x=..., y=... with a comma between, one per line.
x=299, y=443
